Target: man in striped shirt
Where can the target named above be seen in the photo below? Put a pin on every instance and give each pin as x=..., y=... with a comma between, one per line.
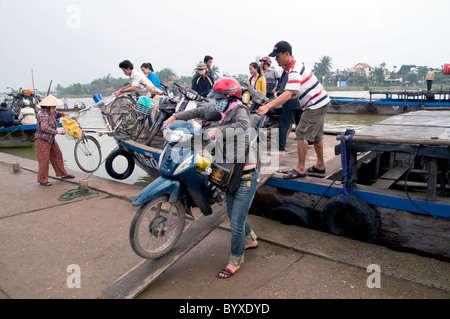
x=302, y=84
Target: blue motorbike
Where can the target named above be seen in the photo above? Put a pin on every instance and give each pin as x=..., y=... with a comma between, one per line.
x=160, y=219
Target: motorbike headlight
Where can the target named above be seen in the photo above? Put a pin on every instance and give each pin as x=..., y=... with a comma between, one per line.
x=190, y=95
x=176, y=136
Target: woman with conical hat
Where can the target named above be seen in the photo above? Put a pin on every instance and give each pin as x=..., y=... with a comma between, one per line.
x=47, y=149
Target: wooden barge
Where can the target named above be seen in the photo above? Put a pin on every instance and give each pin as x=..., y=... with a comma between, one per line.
x=17, y=136
x=392, y=102
x=388, y=185
x=395, y=192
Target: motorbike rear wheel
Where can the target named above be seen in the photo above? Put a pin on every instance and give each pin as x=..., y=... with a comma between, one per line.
x=147, y=235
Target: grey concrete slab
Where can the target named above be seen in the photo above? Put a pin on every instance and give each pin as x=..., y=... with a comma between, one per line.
x=37, y=248
x=39, y=240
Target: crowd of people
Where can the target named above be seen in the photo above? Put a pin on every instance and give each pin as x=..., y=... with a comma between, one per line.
x=296, y=90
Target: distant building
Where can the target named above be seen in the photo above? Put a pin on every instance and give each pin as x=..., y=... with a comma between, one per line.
x=362, y=68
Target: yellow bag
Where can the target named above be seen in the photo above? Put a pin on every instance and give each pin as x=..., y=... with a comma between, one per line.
x=72, y=128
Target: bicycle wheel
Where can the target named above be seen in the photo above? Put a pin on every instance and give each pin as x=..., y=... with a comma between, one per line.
x=137, y=128
x=88, y=154
x=122, y=113
x=155, y=129
x=147, y=235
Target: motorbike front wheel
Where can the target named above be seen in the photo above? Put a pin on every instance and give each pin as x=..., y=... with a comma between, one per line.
x=152, y=235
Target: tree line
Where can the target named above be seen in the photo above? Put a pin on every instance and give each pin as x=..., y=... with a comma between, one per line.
x=409, y=75
x=406, y=75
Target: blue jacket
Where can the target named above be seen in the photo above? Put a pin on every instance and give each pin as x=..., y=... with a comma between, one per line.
x=6, y=117
x=153, y=77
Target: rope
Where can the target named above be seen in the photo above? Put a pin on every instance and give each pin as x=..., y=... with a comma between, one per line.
x=74, y=193
x=348, y=180
x=78, y=192
x=6, y=135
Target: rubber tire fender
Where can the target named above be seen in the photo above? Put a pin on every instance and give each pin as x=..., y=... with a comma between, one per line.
x=365, y=216
x=290, y=214
x=371, y=107
x=420, y=107
x=109, y=164
x=335, y=105
x=405, y=108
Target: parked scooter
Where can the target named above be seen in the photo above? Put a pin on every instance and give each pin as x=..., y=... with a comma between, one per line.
x=183, y=183
x=174, y=103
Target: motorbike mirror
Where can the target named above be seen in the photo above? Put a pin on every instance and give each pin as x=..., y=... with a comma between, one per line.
x=213, y=116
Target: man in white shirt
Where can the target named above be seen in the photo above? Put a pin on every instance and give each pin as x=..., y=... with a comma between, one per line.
x=430, y=77
x=302, y=84
x=139, y=83
x=27, y=115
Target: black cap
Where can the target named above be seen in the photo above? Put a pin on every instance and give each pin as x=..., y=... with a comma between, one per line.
x=280, y=47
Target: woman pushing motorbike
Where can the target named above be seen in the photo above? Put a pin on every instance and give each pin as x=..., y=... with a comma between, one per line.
x=227, y=93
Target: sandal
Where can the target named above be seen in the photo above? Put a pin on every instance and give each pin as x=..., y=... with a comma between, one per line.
x=47, y=183
x=68, y=176
x=226, y=273
x=253, y=247
x=294, y=174
x=313, y=169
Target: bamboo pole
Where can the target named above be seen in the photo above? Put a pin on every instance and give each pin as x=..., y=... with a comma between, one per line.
x=396, y=140
x=49, y=88
x=34, y=91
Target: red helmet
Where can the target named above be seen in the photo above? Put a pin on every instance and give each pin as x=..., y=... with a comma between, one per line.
x=225, y=88
x=266, y=59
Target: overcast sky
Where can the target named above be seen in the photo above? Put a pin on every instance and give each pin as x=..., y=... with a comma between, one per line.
x=79, y=41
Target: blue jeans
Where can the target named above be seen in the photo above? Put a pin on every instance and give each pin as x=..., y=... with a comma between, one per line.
x=238, y=205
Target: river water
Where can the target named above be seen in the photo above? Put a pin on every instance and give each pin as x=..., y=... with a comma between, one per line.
x=333, y=122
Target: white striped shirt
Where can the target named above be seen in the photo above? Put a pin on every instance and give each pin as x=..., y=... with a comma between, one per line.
x=305, y=85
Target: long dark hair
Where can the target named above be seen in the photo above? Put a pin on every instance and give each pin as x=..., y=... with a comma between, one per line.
x=258, y=70
x=256, y=66
x=147, y=65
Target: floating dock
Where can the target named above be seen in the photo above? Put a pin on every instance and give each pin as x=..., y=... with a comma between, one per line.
x=392, y=102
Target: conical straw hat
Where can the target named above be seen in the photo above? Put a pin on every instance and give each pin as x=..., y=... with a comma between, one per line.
x=50, y=100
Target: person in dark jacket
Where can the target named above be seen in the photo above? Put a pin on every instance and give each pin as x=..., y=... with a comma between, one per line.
x=6, y=116
x=202, y=82
x=227, y=94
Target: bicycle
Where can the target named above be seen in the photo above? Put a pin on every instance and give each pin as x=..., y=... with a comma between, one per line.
x=16, y=100
x=87, y=150
x=126, y=110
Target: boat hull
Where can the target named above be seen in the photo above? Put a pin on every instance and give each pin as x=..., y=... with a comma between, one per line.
x=17, y=136
x=394, y=102
x=401, y=227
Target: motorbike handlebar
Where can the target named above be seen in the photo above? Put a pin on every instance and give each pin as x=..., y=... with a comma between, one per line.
x=184, y=91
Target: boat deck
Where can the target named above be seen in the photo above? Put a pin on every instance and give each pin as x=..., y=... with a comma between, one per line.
x=424, y=125
x=412, y=202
